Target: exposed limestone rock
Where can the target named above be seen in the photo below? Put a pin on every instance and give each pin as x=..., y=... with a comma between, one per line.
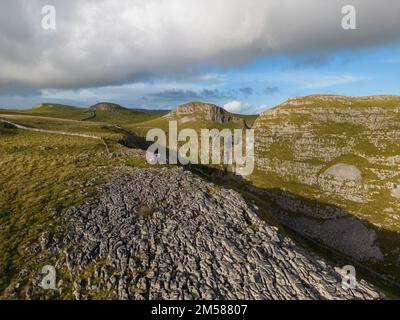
x=396, y=192
x=334, y=149
x=331, y=165
x=344, y=172
x=106, y=106
x=205, y=112
x=168, y=234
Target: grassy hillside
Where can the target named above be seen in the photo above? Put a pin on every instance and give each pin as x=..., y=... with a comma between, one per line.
x=124, y=117
x=117, y=116
x=58, y=111
x=337, y=101
x=197, y=115
x=43, y=174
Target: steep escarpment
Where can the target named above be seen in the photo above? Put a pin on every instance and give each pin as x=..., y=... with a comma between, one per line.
x=168, y=234
x=332, y=165
x=205, y=112
x=106, y=106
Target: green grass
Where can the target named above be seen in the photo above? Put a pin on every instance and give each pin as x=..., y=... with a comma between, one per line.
x=121, y=116
x=319, y=100
x=43, y=171
x=58, y=111
x=124, y=117
x=144, y=212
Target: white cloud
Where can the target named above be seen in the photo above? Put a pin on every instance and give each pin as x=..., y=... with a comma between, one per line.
x=233, y=106
x=331, y=81
x=107, y=42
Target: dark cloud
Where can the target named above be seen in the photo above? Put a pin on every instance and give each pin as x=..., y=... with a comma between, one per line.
x=270, y=90
x=246, y=91
x=15, y=90
x=174, y=95
x=112, y=42
x=311, y=60
x=179, y=95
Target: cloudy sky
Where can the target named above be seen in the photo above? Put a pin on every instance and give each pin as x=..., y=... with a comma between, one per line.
x=244, y=55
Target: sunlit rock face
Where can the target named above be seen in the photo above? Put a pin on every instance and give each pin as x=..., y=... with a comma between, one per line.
x=326, y=158
x=195, y=111
x=106, y=106
x=344, y=172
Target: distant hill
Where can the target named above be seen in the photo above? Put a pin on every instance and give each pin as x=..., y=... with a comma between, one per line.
x=57, y=111
x=153, y=111
x=100, y=112
x=116, y=114
x=194, y=111
x=106, y=106
x=198, y=115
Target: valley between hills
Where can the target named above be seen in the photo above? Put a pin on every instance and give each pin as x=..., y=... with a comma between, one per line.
x=77, y=193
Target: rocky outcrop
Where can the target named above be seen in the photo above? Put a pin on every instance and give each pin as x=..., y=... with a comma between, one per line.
x=343, y=172
x=106, y=106
x=168, y=234
x=194, y=111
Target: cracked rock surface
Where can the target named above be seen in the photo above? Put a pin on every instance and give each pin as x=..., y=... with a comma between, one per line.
x=169, y=234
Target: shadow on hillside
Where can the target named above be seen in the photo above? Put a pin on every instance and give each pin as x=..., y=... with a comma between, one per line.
x=339, y=237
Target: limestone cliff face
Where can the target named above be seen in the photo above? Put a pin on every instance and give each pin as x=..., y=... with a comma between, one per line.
x=194, y=111
x=106, y=106
x=342, y=151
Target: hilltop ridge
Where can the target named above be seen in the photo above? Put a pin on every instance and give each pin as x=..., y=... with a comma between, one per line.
x=328, y=100
x=192, y=111
x=107, y=106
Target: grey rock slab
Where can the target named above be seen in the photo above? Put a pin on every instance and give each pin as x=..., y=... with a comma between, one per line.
x=169, y=234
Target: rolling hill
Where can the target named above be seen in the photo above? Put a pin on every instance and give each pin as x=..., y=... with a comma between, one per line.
x=100, y=112
x=197, y=115
x=118, y=115
x=57, y=111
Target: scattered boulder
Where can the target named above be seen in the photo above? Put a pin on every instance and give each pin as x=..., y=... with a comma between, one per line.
x=344, y=172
